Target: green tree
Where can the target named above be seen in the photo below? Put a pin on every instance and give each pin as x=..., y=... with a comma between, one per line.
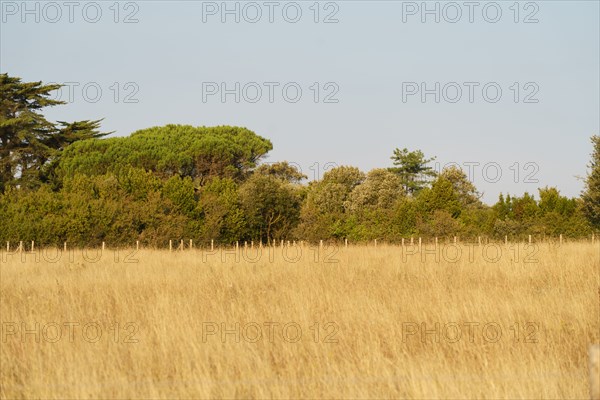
x=323, y=213
x=502, y=207
x=404, y=219
x=591, y=193
x=372, y=204
x=271, y=204
x=412, y=168
x=440, y=224
x=524, y=209
x=28, y=141
x=560, y=215
x=200, y=153
x=281, y=170
x=516, y=216
x=223, y=218
x=464, y=189
x=380, y=191
x=441, y=196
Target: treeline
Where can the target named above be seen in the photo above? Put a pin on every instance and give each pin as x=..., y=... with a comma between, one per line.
x=183, y=182
x=134, y=204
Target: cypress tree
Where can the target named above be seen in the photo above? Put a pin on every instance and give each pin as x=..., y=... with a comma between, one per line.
x=28, y=141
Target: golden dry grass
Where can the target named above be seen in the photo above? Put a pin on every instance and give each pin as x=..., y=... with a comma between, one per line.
x=369, y=306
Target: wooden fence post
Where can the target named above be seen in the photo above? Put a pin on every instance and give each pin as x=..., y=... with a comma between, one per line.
x=375, y=242
x=191, y=244
x=21, y=246
x=170, y=245
x=346, y=242
x=321, y=243
x=560, y=239
x=7, y=247
x=455, y=239
x=479, y=240
x=529, y=239
x=137, y=244
x=402, y=242
x=32, y=246
x=411, y=240
x=103, y=246
x=212, y=244
x=594, y=354
x=65, y=247
x=505, y=239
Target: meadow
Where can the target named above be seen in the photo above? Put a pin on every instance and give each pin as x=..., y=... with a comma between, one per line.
x=466, y=321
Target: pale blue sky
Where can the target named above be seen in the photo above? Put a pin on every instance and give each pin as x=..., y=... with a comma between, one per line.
x=369, y=54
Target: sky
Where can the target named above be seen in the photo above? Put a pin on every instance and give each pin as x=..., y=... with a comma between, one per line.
x=509, y=91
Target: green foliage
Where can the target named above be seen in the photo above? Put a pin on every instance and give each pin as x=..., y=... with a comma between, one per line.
x=28, y=141
x=120, y=208
x=371, y=205
x=477, y=221
x=281, y=170
x=560, y=215
x=60, y=182
x=466, y=193
x=222, y=216
x=200, y=153
x=440, y=224
x=90, y=210
x=271, y=206
x=181, y=193
x=380, y=191
x=553, y=214
x=138, y=183
x=440, y=197
x=448, y=205
x=323, y=212
x=404, y=219
x=412, y=168
x=591, y=194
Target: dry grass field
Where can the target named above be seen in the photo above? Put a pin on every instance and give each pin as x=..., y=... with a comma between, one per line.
x=359, y=322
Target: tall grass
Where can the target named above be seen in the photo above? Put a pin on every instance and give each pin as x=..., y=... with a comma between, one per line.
x=354, y=322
